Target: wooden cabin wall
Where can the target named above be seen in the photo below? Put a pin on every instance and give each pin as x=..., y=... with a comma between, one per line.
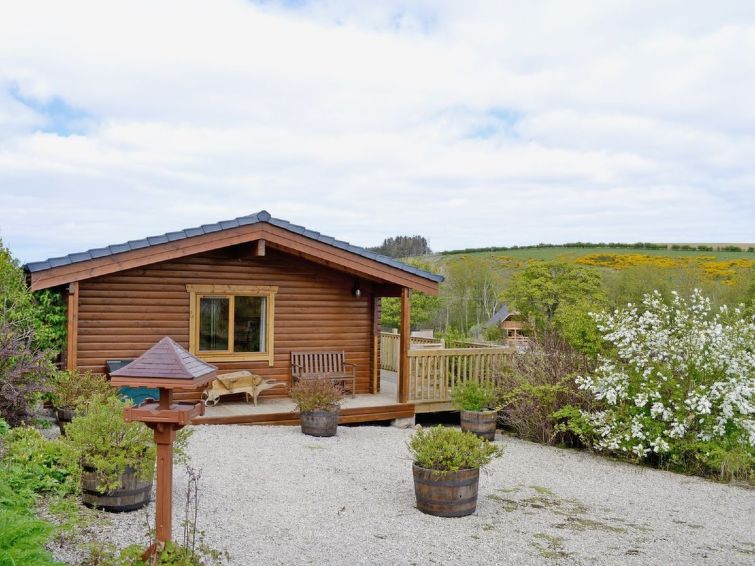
x=123, y=314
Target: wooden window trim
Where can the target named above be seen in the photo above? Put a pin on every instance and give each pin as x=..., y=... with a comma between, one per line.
x=196, y=292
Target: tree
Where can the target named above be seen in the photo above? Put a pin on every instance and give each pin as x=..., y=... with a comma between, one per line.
x=43, y=312
x=557, y=297
x=403, y=246
x=471, y=293
x=424, y=308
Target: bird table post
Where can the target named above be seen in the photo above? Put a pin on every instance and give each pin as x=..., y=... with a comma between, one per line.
x=167, y=366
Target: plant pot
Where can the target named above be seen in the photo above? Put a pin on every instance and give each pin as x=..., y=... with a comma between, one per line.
x=319, y=423
x=482, y=423
x=133, y=494
x=64, y=416
x=451, y=494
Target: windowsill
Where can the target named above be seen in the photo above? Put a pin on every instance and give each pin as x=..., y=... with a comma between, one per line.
x=225, y=357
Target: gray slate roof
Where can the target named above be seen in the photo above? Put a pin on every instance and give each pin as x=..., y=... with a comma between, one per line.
x=262, y=216
x=499, y=316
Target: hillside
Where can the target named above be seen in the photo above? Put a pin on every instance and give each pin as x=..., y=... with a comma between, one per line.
x=572, y=253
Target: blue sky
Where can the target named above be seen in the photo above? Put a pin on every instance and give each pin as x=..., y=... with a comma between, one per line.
x=474, y=124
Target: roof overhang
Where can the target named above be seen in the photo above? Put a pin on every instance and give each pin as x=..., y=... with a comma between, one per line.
x=277, y=234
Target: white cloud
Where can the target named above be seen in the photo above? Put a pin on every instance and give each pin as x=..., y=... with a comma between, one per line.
x=473, y=123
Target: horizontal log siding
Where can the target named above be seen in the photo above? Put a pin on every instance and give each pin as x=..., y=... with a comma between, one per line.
x=123, y=314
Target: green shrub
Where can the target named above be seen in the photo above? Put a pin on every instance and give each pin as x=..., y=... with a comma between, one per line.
x=102, y=440
x=538, y=384
x=23, y=539
x=474, y=396
x=22, y=536
x=446, y=449
x=494, y=334
x=38, y=464
x=316, y=395
x=72, y=388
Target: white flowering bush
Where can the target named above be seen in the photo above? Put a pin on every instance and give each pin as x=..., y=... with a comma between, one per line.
x=678, y=386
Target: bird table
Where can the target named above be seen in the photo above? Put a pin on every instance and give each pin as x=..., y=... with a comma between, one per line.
x=166, y=366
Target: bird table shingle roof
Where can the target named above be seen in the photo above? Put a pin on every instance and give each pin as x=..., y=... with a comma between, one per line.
x=259, y=217
x=168, y=363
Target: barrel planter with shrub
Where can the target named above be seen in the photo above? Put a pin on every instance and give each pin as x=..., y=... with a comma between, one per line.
x=134, y=491
x=446, y=469
x=117, y=458
x=318, y=402
x=476, y=401
x=64, y=416
x=72, y=389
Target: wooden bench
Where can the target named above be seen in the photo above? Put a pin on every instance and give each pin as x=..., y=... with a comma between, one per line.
x=324, y=365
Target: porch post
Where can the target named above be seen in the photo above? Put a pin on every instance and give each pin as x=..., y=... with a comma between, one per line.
x=404, y=341
x=72, y=337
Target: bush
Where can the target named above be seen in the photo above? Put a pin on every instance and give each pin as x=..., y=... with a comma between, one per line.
x=23, y=539
x=446, y=449
x=39, y=465
x=22, y=536
x=474, y=396
x=679, y=388
x=494, y=334
x=71, y=388
x=540, y=384
x=316, y=395
x=23, y=370
x=102, y=440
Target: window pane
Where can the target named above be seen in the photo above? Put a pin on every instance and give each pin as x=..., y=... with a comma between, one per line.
x=213, y=323
x=249, y=324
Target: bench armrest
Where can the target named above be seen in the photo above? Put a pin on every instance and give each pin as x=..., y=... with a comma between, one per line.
x=352, y=367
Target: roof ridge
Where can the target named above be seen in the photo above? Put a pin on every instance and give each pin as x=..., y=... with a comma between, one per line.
x=254, y=218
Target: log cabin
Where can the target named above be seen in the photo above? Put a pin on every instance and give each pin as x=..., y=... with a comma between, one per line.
x=240, y=294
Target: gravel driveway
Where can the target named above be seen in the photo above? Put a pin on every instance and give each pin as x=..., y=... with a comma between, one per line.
x=270, y=495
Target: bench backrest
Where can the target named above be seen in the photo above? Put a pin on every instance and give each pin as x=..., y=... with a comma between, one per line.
x=316, y=362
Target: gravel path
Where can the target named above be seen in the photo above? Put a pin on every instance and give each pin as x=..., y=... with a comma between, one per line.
x=270, y=495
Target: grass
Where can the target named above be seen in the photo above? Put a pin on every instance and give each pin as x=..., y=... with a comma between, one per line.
x=574, y=253
x=549, y=546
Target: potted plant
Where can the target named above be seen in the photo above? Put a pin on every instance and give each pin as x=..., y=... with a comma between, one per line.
x=476, y=401
x=446, y=469
x=117, y=458
x=71, y=388
x=318, y=402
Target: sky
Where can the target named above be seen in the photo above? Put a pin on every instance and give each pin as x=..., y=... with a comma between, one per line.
x=472, y=123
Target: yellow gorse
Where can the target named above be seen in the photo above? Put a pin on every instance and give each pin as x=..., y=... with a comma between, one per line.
x=721, y=270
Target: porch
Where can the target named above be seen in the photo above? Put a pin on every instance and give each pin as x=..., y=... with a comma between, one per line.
x=366, y=407
x=432, y=370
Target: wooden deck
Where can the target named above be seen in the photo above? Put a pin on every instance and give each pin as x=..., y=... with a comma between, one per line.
x=361, y=408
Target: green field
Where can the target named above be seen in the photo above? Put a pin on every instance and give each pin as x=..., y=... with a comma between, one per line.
x=550, y=253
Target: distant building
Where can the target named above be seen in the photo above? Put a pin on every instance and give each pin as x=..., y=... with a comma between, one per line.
x=512, y=325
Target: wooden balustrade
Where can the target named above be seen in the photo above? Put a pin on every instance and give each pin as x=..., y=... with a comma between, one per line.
x=467, y=344
x=434, y=373
x=389, y=348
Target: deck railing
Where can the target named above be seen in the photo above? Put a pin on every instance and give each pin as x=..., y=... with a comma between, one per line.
x=434, y=373
x=389, y=348
x=467, y=344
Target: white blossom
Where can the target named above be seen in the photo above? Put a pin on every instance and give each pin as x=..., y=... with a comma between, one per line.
x=679, y=371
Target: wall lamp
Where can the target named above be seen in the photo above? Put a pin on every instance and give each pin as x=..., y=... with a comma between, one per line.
x=356, y=289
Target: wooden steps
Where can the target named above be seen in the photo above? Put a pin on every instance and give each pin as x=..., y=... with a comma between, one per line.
x=347, y=416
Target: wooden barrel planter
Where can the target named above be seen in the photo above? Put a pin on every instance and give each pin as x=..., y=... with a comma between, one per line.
x=133, y=494
x=451, y=494
x=64, y=416
x=319, y=423
x=482, y=423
